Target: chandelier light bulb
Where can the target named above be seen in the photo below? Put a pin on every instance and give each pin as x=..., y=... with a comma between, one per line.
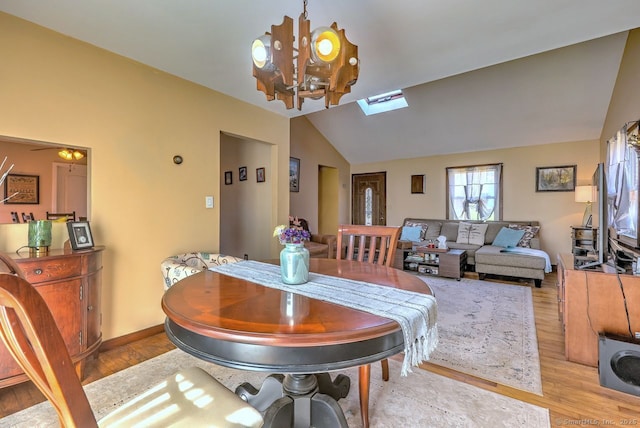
x=260, y=51
x=325, y=45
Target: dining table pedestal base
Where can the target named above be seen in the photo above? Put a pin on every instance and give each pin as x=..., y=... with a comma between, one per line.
x=299, y=400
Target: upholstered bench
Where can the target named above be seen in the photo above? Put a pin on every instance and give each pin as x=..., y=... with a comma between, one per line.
x=178, y=267
x=492, y=260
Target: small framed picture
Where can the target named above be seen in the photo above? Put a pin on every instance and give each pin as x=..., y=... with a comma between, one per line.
x=22, y=189
x=294, y=174
x=556, y=178
x=242, y=173
x=417, y=183
x=80, y=235
x=228, y=177
x=260, y=175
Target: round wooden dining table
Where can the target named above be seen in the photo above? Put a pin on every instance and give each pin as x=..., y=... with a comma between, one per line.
x=244, y=325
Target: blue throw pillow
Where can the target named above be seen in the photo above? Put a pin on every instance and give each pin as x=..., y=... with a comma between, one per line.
x=411, y=233
x=508, y=237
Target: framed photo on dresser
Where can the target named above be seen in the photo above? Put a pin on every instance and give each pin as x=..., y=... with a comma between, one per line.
x=80, y=235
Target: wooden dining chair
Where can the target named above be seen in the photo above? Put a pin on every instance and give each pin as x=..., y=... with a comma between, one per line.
x=56, y=216
x=368, y=244
x=191, y=397
x=8, y=265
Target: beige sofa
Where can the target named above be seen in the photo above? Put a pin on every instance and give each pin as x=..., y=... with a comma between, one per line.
x=486, y=258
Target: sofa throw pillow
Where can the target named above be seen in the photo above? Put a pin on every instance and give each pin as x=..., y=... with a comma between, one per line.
x=471, y=233
x=530, y=232
x=433, y=231
x=508, y=237
x=423, y=228
x=411, y=233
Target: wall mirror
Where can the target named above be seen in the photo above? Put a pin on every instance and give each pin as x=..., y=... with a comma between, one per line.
x=55, y=180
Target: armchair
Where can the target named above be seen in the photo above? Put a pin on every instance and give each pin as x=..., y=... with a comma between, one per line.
x=180, y=266
x=320, y=245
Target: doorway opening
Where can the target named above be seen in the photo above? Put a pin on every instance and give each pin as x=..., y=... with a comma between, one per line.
x=328, y=197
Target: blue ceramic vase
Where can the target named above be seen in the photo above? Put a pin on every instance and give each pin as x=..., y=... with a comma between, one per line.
x=294, y=264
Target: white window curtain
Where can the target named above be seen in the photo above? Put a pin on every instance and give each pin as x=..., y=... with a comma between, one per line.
x=622, y=184
x=474, y=192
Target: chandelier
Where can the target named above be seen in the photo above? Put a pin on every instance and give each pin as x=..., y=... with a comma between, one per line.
x=70, y=154
x=326, y=64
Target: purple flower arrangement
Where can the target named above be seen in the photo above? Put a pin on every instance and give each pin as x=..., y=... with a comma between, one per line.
x=291, y=235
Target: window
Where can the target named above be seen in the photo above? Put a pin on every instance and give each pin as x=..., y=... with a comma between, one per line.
x=474, y=192
x=383, y=102
x=368, y=206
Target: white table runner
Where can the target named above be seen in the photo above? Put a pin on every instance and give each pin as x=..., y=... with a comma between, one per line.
x=415, y=312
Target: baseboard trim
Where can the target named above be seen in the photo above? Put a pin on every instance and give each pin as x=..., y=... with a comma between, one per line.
x=131, y=337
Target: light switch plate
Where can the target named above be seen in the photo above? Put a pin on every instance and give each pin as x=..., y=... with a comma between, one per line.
x=208, y=201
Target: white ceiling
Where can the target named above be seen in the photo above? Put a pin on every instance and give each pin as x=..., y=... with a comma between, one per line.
x=479, y=98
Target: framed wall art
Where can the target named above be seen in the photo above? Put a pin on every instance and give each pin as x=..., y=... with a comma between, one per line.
x=556, y=178
x=294, y=174
x=22, y=189
x=228, y=177
x=242, y=173
x=260, y=175
x=417, y=183
x=80, y=235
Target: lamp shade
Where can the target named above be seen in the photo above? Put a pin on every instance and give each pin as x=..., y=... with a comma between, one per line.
x=70, y=154
x=584, y=194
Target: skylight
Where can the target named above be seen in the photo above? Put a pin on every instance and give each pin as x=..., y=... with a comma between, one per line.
x=382, y=103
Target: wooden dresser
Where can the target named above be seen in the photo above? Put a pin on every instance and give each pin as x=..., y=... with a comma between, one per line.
x=70, y=282
x=590, y=302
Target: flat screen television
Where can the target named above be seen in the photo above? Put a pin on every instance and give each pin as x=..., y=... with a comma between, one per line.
x=599, y=179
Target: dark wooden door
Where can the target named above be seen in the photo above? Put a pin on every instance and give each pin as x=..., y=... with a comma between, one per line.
x=369, y=198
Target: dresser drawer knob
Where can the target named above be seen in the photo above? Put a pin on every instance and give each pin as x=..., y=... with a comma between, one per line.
x=38, y=271
x=90, y=308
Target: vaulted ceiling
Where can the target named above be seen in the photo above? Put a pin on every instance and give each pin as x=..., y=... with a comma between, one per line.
x=477, y=75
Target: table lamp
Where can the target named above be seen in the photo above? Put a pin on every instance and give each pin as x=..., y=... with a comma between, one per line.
x=585, y=194
x=39, y=237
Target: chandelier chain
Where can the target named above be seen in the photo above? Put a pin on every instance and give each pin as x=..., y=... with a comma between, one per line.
x=304, y=4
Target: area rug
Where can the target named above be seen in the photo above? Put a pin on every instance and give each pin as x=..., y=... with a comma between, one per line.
x=488, y=330
x=421, y=399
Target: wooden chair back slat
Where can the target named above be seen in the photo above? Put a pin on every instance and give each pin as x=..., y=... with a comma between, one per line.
x=376, y=244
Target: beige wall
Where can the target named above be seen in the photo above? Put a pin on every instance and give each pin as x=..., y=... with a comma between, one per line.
x=135, y=119
x=314, y=150
x=625, y=101
x=556, y=211
x=328, y=200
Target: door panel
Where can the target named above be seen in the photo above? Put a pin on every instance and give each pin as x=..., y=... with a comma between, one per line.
x=369, y=198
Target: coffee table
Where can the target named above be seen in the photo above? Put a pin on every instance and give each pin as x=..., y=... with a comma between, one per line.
x=450, y=263
x=240, y=324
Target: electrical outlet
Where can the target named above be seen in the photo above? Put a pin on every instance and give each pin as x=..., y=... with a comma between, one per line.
x=637, y=335
x=208, y=201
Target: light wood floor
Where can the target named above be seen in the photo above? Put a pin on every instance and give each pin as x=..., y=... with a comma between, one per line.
x=571, y=391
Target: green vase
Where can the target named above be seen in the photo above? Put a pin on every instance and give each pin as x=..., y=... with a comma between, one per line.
x=294, y=264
